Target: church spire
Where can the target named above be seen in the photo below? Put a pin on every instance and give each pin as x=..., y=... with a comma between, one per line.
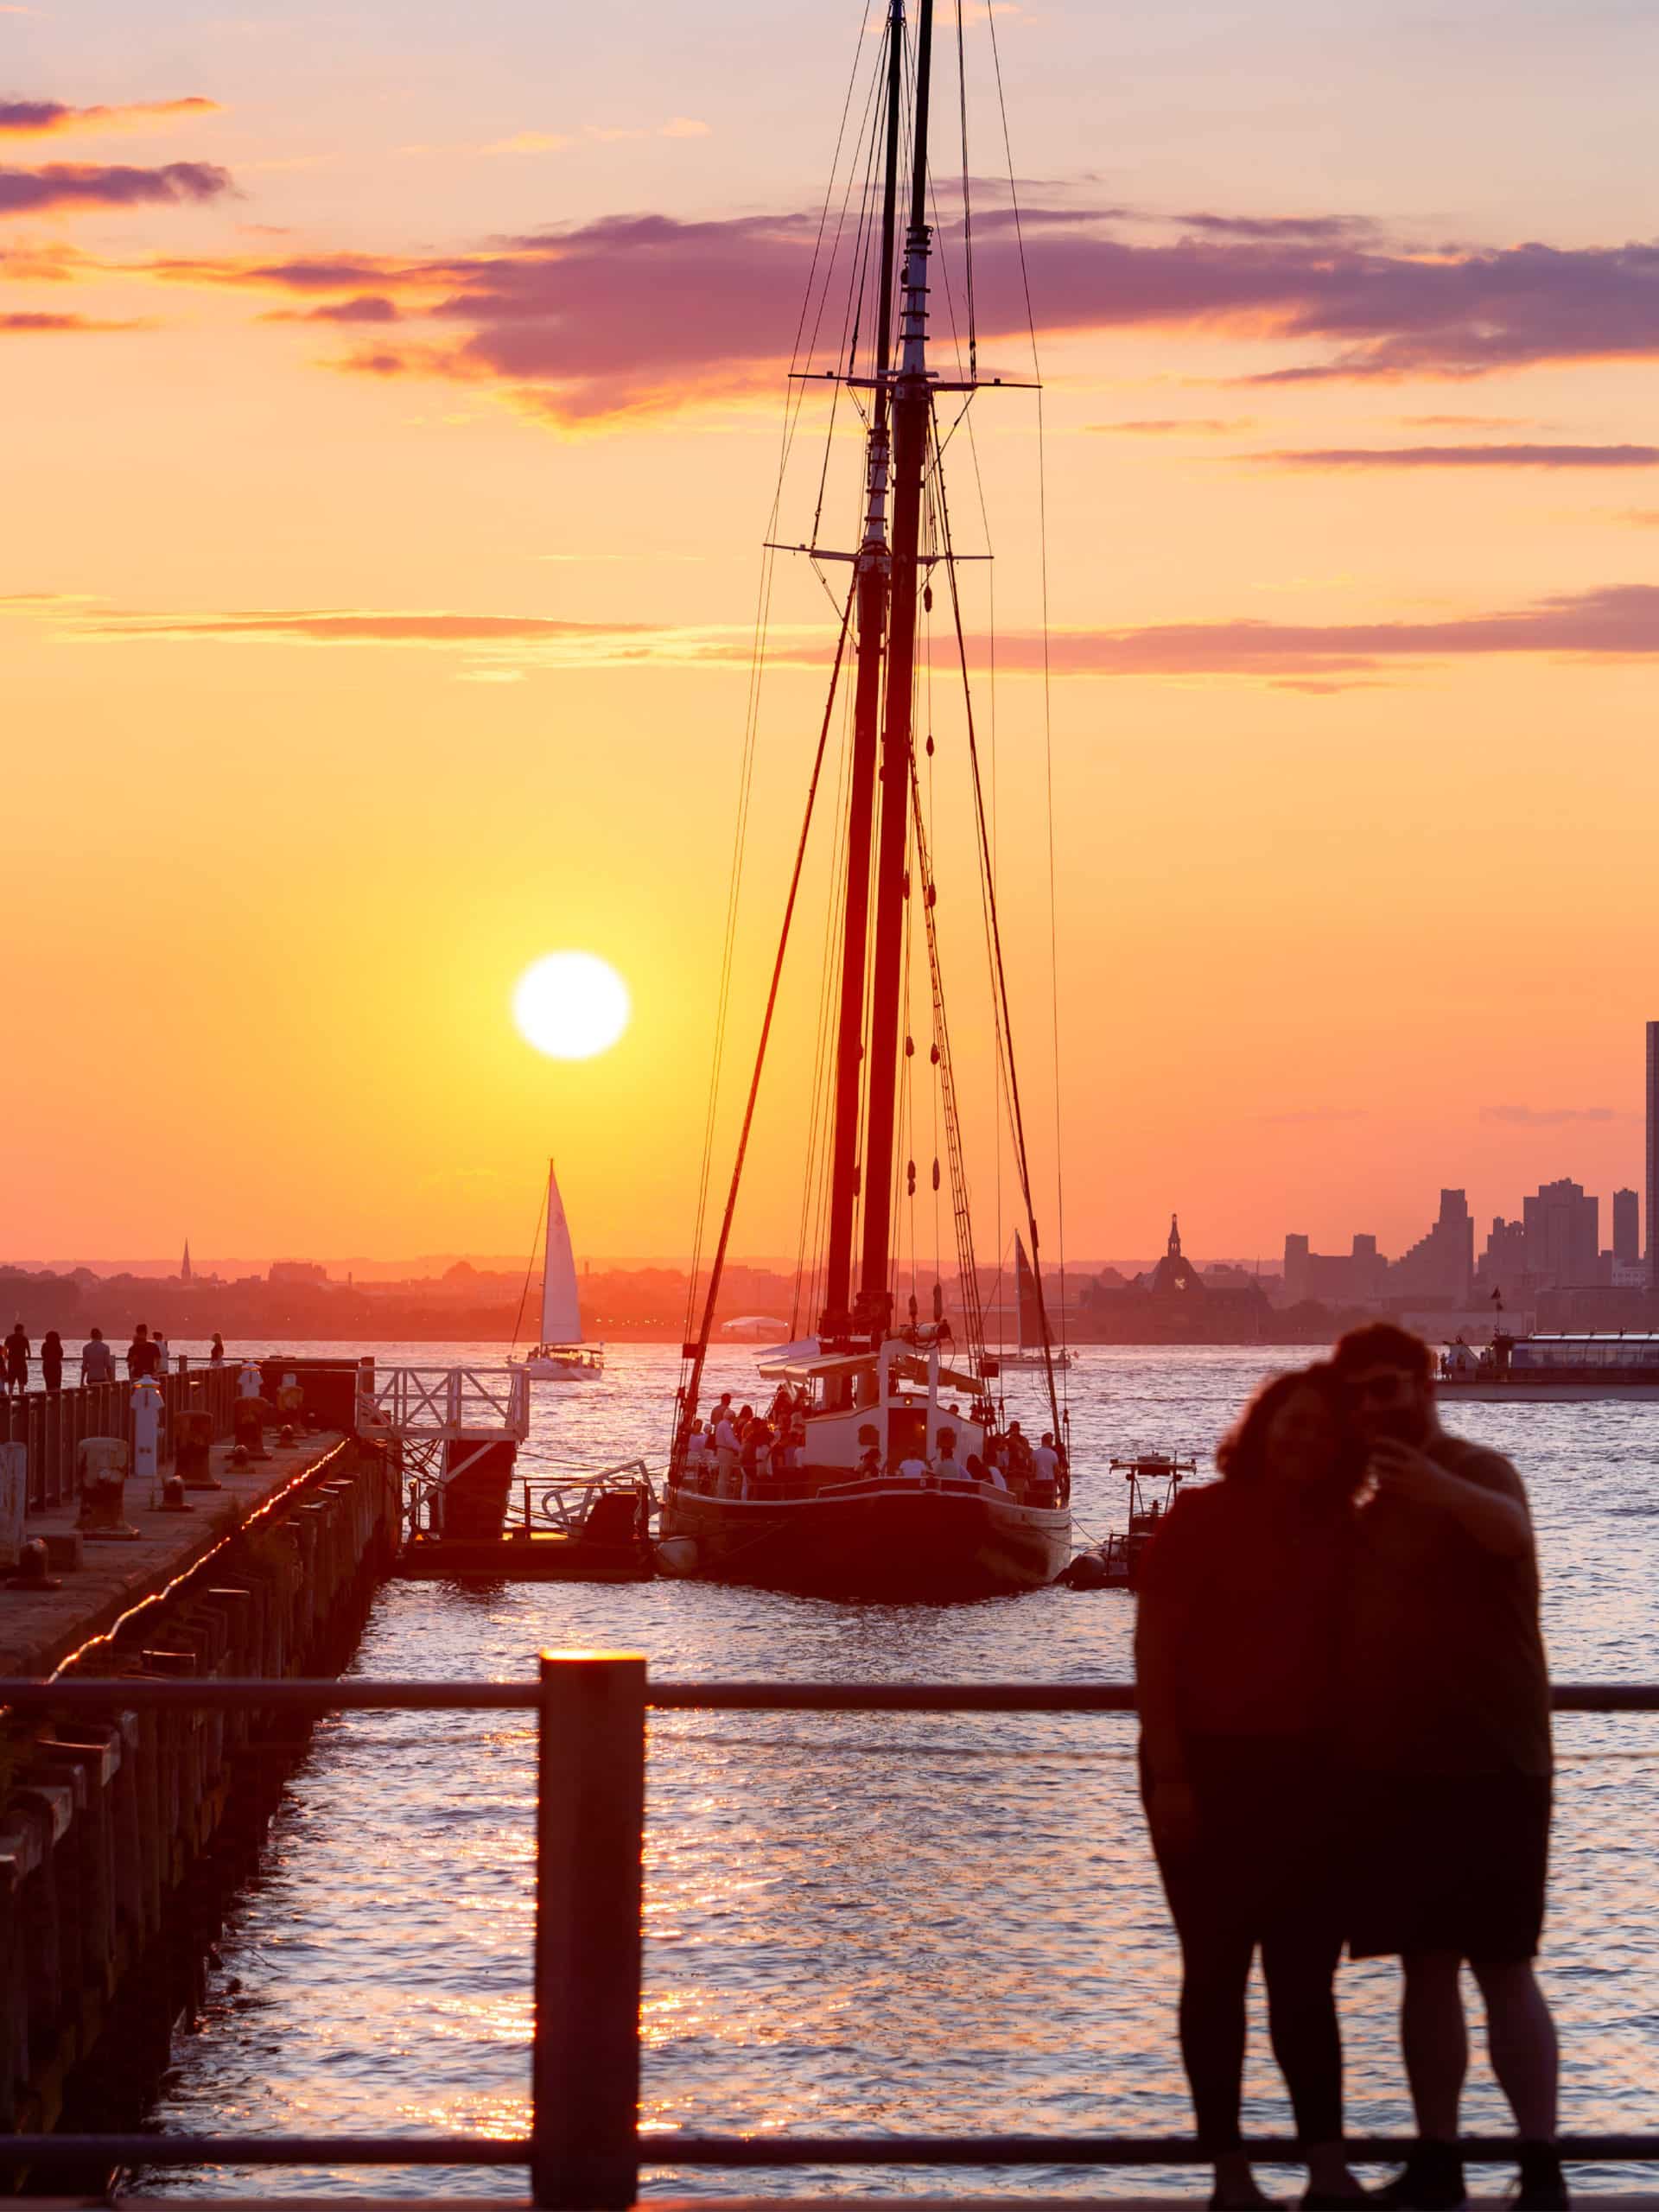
x=1174, y=1236
x=184, y=1270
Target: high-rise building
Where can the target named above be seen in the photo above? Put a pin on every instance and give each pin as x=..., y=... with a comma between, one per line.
x=1441, y=1265
x=1653, y=1152
x=1563, y=1226
x=1627, y=1227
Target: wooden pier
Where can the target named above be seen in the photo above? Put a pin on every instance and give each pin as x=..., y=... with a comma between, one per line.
x=123, y=1831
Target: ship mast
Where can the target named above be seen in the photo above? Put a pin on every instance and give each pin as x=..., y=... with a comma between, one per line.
x=871, y=597
x=891, y=576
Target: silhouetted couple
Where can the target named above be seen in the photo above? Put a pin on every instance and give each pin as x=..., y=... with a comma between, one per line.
x=1346, y=1741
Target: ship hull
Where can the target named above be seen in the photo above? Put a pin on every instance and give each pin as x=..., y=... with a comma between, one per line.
x=903, y=1543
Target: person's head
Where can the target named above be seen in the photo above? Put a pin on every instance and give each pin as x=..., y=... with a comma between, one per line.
x=1013, y=1428
x=1048, y=1439
x=974, y=1464
x=1386, y=1376
x=98, y=1336
x=1291, y=1437
x=141, y=1332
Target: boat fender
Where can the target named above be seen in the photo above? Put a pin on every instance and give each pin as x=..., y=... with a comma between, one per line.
x=676, y=1555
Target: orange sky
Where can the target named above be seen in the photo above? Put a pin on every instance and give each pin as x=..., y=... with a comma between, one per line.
x=1352, y=706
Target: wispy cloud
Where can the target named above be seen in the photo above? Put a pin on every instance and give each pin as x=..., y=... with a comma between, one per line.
x=50, y=325
x=1488, y=456
x=1620, y=622
x=55, y=118
x=628, y=314
x=1270, y=229
x=1541, y=1118
x=1207, y=426
x=74, y=184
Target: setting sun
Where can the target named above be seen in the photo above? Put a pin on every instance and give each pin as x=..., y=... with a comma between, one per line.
x=570, y=1005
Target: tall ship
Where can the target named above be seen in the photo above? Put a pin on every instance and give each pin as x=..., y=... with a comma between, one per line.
x=879, y=1461
x=561, y=1356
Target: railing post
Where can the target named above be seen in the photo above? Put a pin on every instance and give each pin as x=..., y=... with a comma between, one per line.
x=589, y=1836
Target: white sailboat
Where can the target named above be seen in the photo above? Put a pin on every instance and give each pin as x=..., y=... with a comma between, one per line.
x=561, y=1356
x=1036, y=1353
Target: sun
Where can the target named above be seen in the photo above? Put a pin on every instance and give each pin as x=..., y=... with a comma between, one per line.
x=570, y=1005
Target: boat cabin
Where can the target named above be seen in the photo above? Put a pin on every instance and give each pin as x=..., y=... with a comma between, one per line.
x=888, y=1397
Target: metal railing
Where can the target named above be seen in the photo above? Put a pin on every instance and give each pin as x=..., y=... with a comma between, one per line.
x=585, y=2148
x=50, y=1424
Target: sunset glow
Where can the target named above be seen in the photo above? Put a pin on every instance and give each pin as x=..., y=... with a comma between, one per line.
x=401, y=437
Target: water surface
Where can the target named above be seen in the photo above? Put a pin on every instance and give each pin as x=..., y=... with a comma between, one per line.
x=873, y=1922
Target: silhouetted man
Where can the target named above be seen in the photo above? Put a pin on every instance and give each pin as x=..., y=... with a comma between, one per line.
x=1446, y=1713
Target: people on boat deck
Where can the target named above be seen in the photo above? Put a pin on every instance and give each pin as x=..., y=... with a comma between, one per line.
x=726, y=1447
x=870, y=1464
x=696, y=1454
x=914, y=1468
x=755, y=1454
x=947, y=1466
x=1021, y=1467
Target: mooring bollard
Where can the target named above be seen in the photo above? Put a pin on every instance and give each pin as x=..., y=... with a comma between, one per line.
x=589, y=1837
x=14, y=1500
x=193, y=1446
x=248, y=1419
x=101, y=1477
x=147, y=1409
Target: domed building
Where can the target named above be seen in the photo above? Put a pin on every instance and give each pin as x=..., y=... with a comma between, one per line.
x=1174, y=1304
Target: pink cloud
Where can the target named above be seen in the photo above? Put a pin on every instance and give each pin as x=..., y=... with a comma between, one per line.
x=52, y=119
x=74, y=184
x=1489, y=456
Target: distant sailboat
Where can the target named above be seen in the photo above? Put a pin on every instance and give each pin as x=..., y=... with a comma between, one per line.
x=1035, y=1352
x=561, y=1356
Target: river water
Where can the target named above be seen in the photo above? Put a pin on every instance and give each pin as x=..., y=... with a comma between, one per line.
x=870, y=1922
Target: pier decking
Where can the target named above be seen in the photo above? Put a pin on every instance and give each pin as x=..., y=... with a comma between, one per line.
x=40, y=1630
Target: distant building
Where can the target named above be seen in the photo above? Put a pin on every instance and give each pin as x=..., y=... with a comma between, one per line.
x=1439, y=1267
x=1172, y=1304
x=1627, y=1227
x=1504, y=1263
x=296, y=1274
x=185, y=1274
x=1353, y=1278
x=1563, y=1226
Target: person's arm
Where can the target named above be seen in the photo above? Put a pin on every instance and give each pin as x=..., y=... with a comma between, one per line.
x=1487, y=1501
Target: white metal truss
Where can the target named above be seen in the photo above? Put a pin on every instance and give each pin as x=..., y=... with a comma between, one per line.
x=409, y=1405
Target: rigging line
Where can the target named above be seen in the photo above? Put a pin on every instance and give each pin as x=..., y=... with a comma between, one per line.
x=688, y=1396
x=812, y=1181
x=1048, y=723
x=967, y=198
x=524, y=1295
x=854, y=312
x=1021, y=1156
x=828, y=194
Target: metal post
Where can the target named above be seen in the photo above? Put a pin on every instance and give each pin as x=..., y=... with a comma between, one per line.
x=589, y=1835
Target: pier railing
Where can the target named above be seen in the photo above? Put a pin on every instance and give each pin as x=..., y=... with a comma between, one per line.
x=51, y=1423
x=585, y=2148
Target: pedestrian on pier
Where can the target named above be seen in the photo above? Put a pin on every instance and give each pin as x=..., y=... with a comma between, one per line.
x=97, y=1361
x=1445, y=1722
x=16, y=1361
x=141, y=1354
x=1240, y=1601
x=51, y=1360
x=216, y=1350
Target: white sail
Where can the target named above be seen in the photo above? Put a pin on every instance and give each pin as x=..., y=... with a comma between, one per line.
x=560, y=1309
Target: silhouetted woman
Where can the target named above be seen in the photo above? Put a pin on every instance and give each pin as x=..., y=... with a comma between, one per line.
x=1240, y=1604
x=51, y=1360
x=216, y=1350
x=17, y=1360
